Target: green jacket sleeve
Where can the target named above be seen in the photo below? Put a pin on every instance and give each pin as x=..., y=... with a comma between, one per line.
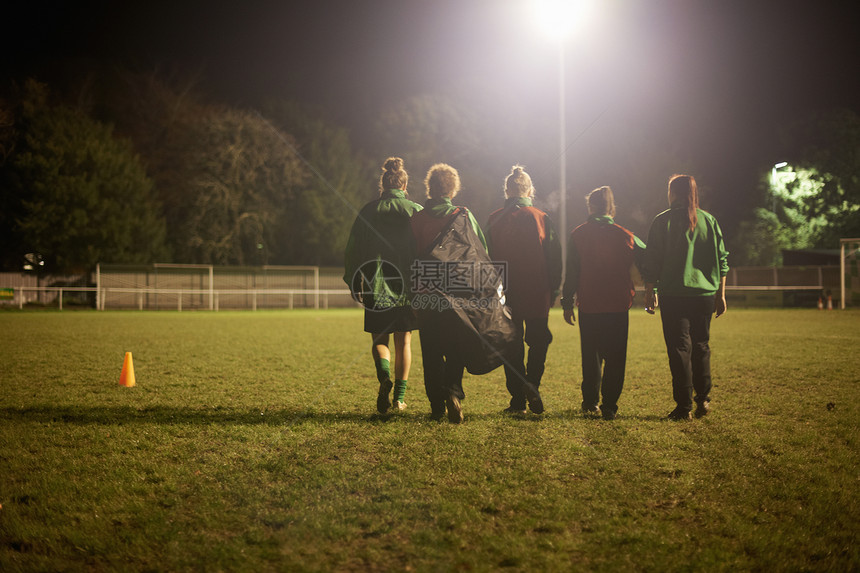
x=350, y=255
x=478, y=230
x=639, y=250
x=722, y=253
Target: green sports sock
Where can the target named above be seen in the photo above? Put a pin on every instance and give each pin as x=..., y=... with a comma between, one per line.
x=383, y=370
x=399, y=390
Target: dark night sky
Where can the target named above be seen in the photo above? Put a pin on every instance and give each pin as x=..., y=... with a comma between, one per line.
x=718, y=76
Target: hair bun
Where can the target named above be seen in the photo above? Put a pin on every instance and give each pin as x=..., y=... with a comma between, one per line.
x=393, y=164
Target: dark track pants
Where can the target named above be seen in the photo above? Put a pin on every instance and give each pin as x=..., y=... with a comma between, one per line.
x=443, y=364
x=687, y=332
x=535, y=333
x=603, y=340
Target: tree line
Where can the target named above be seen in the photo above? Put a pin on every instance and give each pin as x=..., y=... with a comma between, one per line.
x=139, y=168
x=145, y=171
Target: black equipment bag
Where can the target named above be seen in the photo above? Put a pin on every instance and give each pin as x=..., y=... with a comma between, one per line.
x=474, y=304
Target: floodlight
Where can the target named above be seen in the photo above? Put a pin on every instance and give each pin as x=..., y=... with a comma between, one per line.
x=558, y=18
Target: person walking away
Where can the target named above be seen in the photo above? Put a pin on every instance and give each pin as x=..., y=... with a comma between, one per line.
x=600, y=259
x=377, y=261
x=522, y=237
x=686, y=260
x=443, y=360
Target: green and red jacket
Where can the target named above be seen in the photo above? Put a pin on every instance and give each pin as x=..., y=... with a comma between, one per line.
x=522, y=237
x=436, y=215
x=600, y=259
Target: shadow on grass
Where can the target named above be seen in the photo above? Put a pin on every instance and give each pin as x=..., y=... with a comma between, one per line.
x=119, y=415
x=576, y=414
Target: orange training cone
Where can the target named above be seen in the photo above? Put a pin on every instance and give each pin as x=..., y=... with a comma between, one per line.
x=820, y=303
x=127, y=377
x=829, y=302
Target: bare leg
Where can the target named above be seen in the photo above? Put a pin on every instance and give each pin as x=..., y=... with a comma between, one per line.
x=380, y=348
x=402, y=363
x=402, y=355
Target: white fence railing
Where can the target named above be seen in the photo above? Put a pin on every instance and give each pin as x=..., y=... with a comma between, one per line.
x=204, y=287
x=319, y=296
x=136, y=298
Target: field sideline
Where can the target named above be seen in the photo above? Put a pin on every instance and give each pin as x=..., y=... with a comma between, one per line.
x=250, y=443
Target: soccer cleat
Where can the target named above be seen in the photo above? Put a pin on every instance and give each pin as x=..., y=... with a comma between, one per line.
x=533, y=396
x=677, y=415
x=702, y=408
x=455, y=410
x=591, y=410
x=383, y=403
x=437, y=412
x=609, y=415
x=514, y=411
x=399, y=405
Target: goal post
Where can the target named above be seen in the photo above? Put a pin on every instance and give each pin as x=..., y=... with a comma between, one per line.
x=849, y=271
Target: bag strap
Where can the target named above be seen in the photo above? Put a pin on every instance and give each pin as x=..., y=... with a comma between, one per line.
x=435, y=242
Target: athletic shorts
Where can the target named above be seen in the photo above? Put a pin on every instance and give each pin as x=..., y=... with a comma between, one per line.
x=397, y=319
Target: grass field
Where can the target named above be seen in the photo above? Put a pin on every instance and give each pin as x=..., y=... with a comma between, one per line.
x=250, y=443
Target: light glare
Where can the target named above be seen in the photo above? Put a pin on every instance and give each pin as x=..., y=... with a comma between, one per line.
x=557, y=19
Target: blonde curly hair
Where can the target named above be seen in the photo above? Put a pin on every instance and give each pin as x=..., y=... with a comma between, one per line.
x=442, y=181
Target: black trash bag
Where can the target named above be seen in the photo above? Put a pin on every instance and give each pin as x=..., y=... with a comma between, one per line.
x=471, y=296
